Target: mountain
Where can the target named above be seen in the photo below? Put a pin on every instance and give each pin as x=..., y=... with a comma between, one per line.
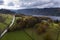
x=6, y=11
x=34, y=11
x=37, y=11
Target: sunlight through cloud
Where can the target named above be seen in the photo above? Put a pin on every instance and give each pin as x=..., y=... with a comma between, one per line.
x=21, y=4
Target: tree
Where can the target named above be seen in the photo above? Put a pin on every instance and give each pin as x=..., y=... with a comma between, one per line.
x=41, y=27
x=30, y=21
x=48, y=36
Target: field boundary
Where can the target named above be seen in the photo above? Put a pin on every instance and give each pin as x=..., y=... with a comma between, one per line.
x=5, y=31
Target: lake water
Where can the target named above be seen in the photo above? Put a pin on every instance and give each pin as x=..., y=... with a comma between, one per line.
x=52, y=17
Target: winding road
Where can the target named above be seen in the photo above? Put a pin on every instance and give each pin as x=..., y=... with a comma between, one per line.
x=9, y=26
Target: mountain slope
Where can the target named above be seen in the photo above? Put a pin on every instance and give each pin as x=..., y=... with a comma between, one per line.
x=36, y=11
x=6, y=11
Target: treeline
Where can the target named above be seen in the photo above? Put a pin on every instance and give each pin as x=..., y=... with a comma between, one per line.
x=30, y=22
x=41, y=25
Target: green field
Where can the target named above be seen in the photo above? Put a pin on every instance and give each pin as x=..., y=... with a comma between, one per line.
x=27, y=34
x=31, y=33
x=5, y=20
x=17, y=35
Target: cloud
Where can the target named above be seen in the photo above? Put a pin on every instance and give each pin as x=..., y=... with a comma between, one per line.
x=1, y=2
x=22, y=4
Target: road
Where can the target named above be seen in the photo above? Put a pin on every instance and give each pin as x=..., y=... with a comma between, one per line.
x=12, y=21
x=9, y=26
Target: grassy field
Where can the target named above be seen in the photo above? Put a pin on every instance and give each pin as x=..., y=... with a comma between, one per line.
x=31, y=33
x=35, y=36
x=27, y=34
x=21, y=35
x=17, y=35
x=5, y=20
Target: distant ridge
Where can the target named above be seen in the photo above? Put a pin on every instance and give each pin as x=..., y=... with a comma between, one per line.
x=34, y=11
x=6, y=11
x=42, y=11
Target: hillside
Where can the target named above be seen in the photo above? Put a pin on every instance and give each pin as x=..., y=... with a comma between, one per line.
x=6, y=11
x=5, y=20
x=36, y=11
x=33, y=28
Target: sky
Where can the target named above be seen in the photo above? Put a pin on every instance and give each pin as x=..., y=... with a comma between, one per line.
x=24, y=4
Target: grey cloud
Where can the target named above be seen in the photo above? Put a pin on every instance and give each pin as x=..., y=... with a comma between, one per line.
x=10, y=4
x=34, y=3
x=1, y=2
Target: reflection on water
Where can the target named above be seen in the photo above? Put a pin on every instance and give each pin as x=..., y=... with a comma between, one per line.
x=52, y=17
